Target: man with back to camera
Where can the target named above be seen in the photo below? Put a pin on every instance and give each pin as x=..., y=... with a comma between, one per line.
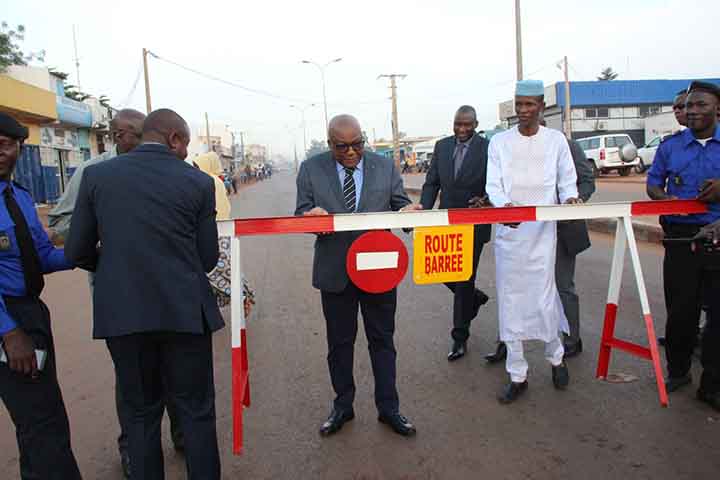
x=153, y=303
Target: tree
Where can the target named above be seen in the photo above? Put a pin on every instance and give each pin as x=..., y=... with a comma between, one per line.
x=316, y=147
x=607, y=74
x=104, y=101
x=10, y=51
x=71, y=91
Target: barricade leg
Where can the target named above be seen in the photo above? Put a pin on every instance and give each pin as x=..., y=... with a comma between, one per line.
x=654, y=353
x=240, y=384
x=611, y=308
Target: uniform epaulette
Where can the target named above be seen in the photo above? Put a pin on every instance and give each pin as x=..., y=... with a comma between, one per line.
x=679, y=132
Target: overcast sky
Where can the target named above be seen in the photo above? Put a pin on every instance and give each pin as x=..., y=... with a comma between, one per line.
x=453, y=51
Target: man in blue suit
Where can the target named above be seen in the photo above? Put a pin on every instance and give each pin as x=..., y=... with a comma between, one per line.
x=153, y=216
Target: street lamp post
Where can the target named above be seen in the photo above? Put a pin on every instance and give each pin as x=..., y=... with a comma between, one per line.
x=322, y=76
x=302, y=115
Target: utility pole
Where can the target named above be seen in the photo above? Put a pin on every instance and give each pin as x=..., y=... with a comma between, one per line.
x=518, y=40
x=148, y=104
x=395, y=127
x=568, y=116
x=242, y=147
x=207, y=132
x=296, y=160
x=77, y=61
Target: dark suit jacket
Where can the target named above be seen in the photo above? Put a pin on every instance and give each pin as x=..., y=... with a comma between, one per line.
x=155, y=218
x=318, y=185
x=573, y=235
x=455, y=193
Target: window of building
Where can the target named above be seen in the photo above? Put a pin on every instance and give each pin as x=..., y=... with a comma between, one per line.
x=599, y=112
x=648, y=110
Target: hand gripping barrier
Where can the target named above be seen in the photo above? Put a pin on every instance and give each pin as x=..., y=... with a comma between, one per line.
x=624, y=237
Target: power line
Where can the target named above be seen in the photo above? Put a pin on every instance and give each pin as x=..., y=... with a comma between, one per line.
x=228, y=82
x=129, y=96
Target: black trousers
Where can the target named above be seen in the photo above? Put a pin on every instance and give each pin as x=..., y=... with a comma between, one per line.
x=148, y=367
x=36, y=406
x=691, y=279
x=124, y=413
x=464, y=298
x=341, y=317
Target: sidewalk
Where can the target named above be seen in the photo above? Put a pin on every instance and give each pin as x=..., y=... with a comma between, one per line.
x=608, y=189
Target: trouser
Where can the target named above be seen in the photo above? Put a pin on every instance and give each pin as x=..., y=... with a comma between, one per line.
x=464, y=308
x=124, y=413
x=36, y=406
x=516, y=364
x=147, y=366
x=378, y=313
x=687, y=275
x=565, y=280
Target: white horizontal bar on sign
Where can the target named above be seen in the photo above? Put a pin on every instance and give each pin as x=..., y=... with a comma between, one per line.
x=388, y=220
x=226, y=228
x=377, y=260
x=582, y=212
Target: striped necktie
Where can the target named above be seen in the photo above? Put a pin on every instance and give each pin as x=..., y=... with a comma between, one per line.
x=349, y=189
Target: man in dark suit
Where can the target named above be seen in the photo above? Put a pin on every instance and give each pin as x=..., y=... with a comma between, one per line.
x=458, y=171
x=153, y=217
x=349, y=179
x=573, y=239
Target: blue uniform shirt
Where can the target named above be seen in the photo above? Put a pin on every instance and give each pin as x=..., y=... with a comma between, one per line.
x=357, y=176
x=681, y=165
x=12, y=281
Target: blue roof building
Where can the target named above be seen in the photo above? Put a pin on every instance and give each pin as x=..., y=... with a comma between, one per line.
x=605, y=107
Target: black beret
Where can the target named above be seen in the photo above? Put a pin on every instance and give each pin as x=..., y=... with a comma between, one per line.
x=11, y=128
x=707, y=87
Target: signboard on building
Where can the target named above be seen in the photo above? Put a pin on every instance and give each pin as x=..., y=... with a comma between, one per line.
x=74, y=112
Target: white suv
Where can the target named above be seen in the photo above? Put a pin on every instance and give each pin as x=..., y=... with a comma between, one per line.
x=606, y=153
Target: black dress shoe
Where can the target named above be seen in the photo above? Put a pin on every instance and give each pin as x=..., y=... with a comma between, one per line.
x=125, y=463
x=457, y=350
x=673, y=384
x=512, y=392
x=712, y=399
x=573, y=349
x=498, y=355
x=335, y=421
x=560, y=376
x=398, y=423
x=480, y=299
x=661, y=341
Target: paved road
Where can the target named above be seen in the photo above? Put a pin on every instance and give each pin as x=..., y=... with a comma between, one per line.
x=595, y=430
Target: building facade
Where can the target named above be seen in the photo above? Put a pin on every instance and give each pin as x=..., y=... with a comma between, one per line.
x=606, y=107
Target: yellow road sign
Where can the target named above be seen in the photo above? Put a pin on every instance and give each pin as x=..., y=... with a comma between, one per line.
x=442, y=254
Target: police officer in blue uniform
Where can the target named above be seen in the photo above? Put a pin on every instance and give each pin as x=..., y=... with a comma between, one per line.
x=28, y=381
x=687, y=166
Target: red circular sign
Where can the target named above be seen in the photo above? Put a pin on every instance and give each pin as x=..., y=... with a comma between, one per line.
x=377, y=261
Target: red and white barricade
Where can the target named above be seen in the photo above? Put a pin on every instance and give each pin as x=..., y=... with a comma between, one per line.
x=624, y=237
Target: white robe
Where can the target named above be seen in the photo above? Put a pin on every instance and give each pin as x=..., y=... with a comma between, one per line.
x=536, y=170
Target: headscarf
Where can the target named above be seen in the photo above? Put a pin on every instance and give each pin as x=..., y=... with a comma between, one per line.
x=210, y=164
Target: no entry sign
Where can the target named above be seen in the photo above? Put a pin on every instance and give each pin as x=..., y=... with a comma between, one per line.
x=377, y=262
x=443, y=254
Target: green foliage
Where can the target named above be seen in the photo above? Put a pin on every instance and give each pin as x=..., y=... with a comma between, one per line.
x=607, y=74
x=10, y=48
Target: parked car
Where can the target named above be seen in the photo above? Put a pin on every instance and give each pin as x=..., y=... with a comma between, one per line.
x=647, y=153
x=610, y=152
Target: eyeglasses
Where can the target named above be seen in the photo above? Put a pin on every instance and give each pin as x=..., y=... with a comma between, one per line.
x=345, y=147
